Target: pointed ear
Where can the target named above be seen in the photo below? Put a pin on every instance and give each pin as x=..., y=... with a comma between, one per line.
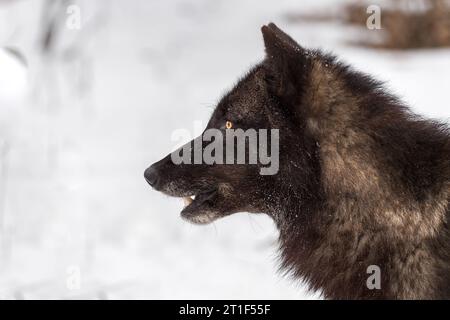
x=277, y=41
x=285, y=60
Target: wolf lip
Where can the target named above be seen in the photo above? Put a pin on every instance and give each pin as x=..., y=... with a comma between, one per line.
x=192, y=205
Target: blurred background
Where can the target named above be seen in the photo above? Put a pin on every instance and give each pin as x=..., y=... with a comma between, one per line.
x=90, y=95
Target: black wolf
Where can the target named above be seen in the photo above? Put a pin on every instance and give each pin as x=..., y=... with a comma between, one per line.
x=362, y=181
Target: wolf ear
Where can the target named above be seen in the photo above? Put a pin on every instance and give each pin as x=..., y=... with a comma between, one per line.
x=285, y=60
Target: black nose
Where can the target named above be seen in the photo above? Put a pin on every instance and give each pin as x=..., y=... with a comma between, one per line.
x=151, y=176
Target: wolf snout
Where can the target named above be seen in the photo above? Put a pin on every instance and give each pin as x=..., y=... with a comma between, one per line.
x=151, y=176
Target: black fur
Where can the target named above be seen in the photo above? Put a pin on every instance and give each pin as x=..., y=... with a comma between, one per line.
x=362, y=180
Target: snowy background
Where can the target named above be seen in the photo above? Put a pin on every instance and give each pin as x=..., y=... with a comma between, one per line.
x=84, y=112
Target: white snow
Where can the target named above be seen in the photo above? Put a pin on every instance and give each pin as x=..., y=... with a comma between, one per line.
x=13, y=78
x=103, y=105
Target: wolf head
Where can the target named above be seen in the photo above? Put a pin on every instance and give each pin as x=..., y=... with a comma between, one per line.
x=266, y=98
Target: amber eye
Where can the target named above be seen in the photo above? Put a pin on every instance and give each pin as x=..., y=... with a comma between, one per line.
x=228, y=125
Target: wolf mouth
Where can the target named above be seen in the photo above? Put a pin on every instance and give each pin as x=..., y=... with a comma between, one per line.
x=198, y=207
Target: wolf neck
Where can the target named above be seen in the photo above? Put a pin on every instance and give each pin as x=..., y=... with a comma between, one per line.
x=369, y=212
